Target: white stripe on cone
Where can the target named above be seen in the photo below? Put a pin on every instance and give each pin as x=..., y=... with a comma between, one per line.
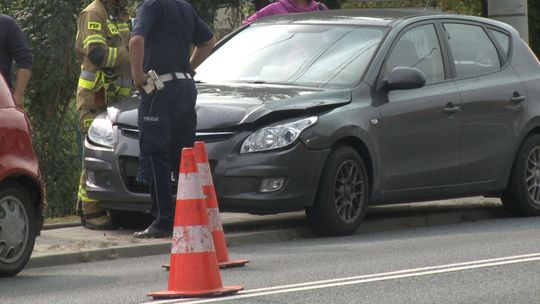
x=214, y=219
x=205, y=174
x=192, y=239
x=189, y=187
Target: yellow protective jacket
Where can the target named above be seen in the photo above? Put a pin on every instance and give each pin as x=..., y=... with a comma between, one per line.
x=98, y=28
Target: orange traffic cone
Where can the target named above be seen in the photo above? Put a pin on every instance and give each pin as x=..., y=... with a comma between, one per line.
x=194, y=270
x=201, y=158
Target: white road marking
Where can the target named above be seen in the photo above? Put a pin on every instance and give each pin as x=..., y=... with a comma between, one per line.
x=414, y=272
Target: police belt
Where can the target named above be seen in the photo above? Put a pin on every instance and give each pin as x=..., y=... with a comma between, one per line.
x=174, y=76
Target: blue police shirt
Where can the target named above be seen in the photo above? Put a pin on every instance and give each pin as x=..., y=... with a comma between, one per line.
x=169, y=28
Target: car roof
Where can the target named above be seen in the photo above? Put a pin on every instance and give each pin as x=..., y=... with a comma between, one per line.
x=376, y=17
x=349, y=16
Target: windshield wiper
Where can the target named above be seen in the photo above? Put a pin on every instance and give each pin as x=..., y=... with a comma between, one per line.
x=269, y=82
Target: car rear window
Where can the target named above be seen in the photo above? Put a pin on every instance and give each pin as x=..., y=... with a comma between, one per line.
x=503, y=40
x=472, y=50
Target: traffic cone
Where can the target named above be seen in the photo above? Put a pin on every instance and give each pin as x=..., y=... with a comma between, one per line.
x=201, y=158
x=194, y=270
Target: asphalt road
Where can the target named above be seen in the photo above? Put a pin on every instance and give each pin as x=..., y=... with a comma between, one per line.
x=488, y=261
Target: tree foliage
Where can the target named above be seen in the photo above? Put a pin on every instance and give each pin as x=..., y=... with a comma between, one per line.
x=534, y=26
x=50, y=28
x=469, y=7
x=207, y=9
x=332, y=4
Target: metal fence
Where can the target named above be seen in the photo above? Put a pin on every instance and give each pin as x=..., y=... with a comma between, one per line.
x=58, y=147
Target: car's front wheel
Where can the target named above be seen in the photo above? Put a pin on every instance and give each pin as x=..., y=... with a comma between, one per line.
x=522, y=196
x=342, y=196
x=17, y=230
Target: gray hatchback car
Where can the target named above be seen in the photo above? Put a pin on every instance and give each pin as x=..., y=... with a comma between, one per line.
x=327, y=112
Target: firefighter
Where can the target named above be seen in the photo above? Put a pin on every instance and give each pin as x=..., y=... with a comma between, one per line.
x=102, y=41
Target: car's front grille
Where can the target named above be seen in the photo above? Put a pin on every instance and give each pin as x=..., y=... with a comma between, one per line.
x=129, y=167
x=213, y=136
x=200, y=136
x=130, y=132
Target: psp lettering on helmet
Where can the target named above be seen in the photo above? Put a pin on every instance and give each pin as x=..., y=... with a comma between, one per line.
x=94, y=26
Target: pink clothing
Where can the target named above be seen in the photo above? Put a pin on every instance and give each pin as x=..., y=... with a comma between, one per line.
x=284, y=7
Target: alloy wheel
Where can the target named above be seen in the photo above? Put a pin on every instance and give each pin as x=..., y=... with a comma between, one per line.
x=349, y=191
x=532, y=175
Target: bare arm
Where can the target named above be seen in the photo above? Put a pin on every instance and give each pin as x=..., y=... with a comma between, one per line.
x=23, y=76
x=201, y=52
x=136, y=55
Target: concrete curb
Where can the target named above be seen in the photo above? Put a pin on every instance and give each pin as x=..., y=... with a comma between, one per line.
x=161, y=247
x=93, y=255
x=61, y=225
x=284, y=229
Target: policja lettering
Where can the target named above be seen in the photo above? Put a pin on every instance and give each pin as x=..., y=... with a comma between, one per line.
x=151, y=118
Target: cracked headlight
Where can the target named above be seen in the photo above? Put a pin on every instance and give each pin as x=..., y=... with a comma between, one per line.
x=276, y=136
x=101, y=131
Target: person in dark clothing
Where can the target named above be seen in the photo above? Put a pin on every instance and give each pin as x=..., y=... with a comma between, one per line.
x=160, y=44
x=13, y=47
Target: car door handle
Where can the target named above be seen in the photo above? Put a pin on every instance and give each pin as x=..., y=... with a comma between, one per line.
x=451, y=108
x=517, y=98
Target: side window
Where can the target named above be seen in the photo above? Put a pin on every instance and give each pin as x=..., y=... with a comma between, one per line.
x=418, y=48
x=503, y=40
x=473, y=52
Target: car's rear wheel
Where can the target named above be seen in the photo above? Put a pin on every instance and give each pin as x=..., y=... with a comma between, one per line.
x=17, y=229
x=342, y=196
x=522, y=196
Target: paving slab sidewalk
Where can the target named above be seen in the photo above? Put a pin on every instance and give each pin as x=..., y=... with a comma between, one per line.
x=77, y=244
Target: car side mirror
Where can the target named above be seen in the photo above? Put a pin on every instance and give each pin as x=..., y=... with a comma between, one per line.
x=404, y=78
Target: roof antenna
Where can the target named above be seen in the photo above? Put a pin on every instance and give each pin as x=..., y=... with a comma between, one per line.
x=428, y=2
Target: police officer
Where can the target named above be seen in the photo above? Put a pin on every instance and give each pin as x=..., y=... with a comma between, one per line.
x=160, y=46
x=102, y=46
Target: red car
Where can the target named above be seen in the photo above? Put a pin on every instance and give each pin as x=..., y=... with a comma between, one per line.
x=22, y=199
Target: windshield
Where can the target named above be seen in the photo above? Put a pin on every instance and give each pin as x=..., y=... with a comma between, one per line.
x=308, y=55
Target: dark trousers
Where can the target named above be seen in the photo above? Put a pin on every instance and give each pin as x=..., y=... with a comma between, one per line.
x=167, y=122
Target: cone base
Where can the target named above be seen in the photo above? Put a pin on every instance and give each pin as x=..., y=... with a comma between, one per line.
x=173, y=294
x=232, y=264
x=222, y=265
